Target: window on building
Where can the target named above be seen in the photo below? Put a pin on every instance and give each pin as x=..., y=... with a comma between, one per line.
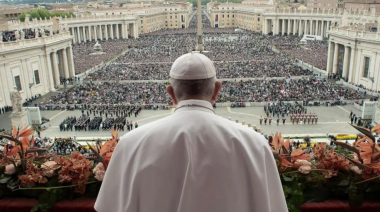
x=366, y=67
x=258, y=19
x=36, y=77
x=18, y=83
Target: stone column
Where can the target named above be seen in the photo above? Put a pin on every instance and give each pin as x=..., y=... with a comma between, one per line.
x=345, y=61
x=323, y=29
x=283, y=27
x=264, y=31
x=124, y=32
x=96, y=32
x=111, y=28
x=335, y=63
x=328, y=25
x=84, y=34
x=294, y=26
x=70, y=58
x=305, y=29
x=311, y=27
x=316, y=27
x=50, y=71
x=299, y=27
x=275, y=26
x=289, y=24
x=101, y=32
x=79, y=37
x=330, y=56
x=352, y=64
x=106, y=27
x=117, y=31
x=65, y=63
x=73, y=34
x=135, y=31
x=127, y=31
x=56, y=69
x=89, y=33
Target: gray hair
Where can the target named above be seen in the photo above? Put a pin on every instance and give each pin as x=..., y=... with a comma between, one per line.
x=190, y=88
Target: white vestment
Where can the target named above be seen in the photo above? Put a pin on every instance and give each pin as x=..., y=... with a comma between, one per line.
x=192, y=161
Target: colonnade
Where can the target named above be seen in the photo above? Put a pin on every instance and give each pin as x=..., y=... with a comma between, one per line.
x=292, y=26
x=84, y=33
x=348, y=60
x=62, y=65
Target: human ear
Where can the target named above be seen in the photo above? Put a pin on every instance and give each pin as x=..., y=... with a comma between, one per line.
x=218, y=86
x=170, y=91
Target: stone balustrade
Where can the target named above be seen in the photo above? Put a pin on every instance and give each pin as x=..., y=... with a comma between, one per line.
x=35, y=23
x=355, y=33
x=32, y=42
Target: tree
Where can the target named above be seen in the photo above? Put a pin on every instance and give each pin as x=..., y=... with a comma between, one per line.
x=42, y=14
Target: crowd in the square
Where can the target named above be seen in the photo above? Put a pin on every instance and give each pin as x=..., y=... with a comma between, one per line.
x=84, y=61
x=258, y=90
x=313, y=53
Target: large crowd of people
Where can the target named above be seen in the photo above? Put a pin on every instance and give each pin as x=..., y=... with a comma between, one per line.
x=314, y=52
x=83, y=60
x=225, y=69
x=250, y=58
x=263, y=90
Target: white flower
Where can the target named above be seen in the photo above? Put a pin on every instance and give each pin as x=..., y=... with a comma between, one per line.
x=305, y=169
x=100, y=175
x=356, y=169
x=98, y=167
x=10, y=169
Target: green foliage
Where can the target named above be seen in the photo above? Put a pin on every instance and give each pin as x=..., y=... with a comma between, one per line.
x=355, y=196
x=2, y=170
x=4, y=179
x=42, y=14
x=293, y=191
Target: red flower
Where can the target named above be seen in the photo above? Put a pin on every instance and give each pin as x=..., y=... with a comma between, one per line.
x=75, y=169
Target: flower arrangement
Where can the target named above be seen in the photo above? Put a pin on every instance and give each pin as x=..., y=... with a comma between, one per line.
x=313, y=173
x=33, y=172
x=325, y=172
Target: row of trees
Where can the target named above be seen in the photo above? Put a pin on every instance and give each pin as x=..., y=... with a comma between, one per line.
x=42, y=14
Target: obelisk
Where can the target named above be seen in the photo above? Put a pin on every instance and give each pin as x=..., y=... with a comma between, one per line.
x=199, y=31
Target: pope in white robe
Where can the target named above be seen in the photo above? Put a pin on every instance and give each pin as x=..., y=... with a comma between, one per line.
x=192, y=161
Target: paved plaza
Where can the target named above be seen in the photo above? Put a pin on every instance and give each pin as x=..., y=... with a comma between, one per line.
x=332, y=120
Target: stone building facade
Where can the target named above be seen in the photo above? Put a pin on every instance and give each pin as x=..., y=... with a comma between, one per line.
x=35, y=66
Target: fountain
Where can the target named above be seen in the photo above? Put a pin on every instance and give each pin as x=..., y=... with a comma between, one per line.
x=98, y=49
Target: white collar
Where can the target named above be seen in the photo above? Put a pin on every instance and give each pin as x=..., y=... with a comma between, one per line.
x=195, y=104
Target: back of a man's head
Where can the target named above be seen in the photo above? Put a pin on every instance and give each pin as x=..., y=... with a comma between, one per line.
x=193, y=76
